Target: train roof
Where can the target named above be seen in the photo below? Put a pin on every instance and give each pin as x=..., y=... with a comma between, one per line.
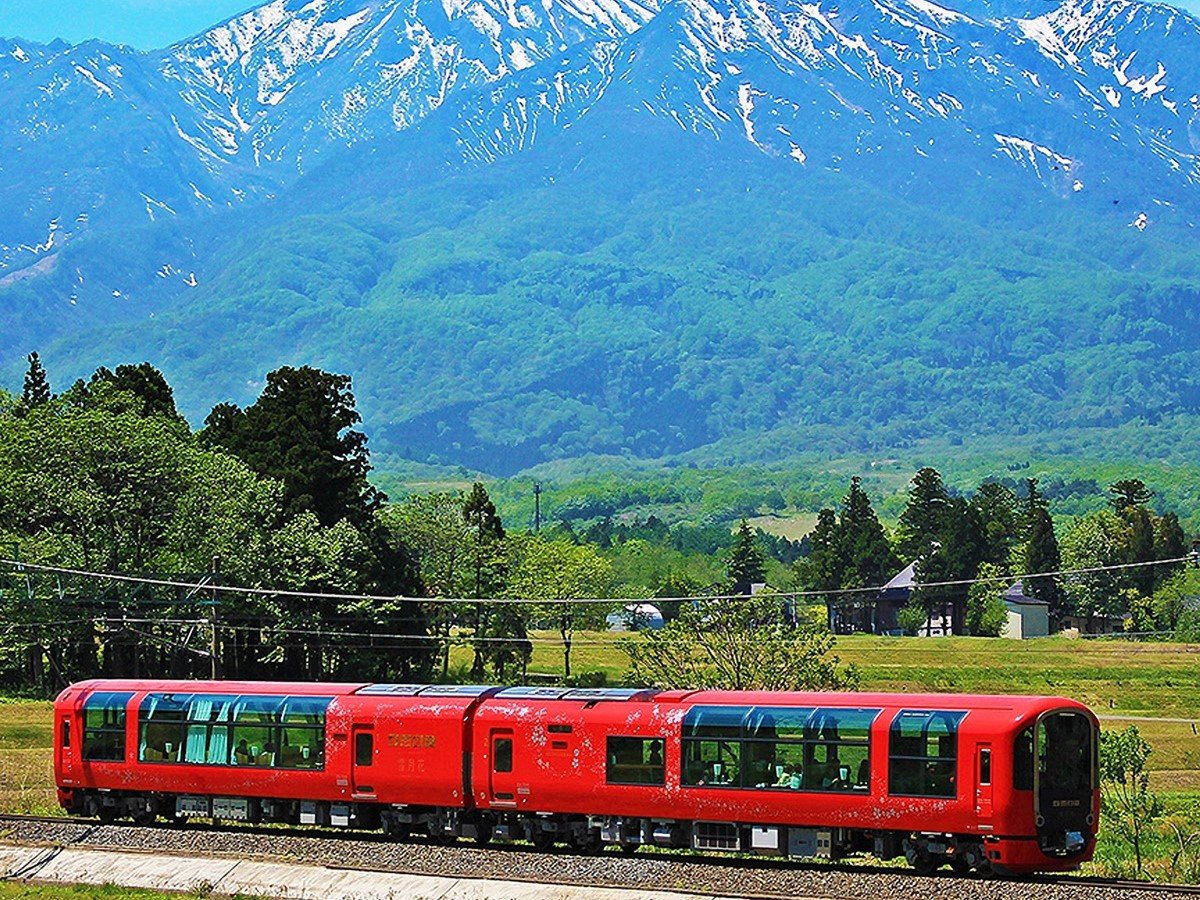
x=555, y=695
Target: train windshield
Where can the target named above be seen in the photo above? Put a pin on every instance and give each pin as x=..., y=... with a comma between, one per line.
x=1065, y=752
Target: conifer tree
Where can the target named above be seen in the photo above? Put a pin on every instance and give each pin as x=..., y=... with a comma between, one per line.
x=868, y=556
x=923, y=516
x=299, y=432
x=1042, y=555
x=997, y=509
x=146, y=383
x=1127, y=493
x=37, y=387
x=745, y=561
x=486, y=561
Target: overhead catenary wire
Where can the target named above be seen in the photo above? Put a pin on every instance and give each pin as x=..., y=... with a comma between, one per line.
x=497, y=601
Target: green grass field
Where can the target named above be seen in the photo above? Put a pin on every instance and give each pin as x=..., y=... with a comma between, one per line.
x=1155, y=686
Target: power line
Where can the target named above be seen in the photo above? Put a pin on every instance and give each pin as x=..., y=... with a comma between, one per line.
x=500, y=601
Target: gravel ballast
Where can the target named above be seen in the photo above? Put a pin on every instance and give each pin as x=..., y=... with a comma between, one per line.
x=740, y=876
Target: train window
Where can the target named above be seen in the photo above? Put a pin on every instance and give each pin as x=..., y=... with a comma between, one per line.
x=712, y=763
x=923, y=753
x=206, y=739
x=104, y=726
x=502, y=755
x=364, y=748
x=1023, y=761
x=785, y=724
x=634, y=760
x=714, y=721
x=161, y=727
x=985, y=766
x=808, y=749
x=65, y=740
x=211, y=729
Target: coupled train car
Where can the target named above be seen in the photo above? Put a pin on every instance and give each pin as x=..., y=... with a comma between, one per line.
x=991, y=784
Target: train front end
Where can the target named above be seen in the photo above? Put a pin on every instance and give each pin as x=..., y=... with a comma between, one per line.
x=1056, y=793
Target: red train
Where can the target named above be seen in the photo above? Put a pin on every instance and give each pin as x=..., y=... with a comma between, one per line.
x=1003, y=784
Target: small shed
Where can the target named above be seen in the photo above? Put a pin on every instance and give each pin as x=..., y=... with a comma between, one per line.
x=1028, y=617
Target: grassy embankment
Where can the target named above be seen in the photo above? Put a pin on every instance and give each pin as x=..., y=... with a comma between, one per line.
x=1124, y=683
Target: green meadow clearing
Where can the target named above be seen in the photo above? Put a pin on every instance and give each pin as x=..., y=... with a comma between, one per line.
x=1155, y=686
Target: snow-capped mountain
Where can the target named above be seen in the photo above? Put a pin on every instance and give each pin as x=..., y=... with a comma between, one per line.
x=1092, y=101
x=859, y=220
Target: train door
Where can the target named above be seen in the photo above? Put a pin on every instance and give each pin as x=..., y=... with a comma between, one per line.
x=983, y=782
x=65, y=745
x=362, y=778
x=500, y=767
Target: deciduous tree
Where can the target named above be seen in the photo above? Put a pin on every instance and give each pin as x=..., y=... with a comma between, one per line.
x=546, y=573
x=744, y=645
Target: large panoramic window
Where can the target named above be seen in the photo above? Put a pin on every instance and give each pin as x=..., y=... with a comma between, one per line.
x=778, y=748
x=210, y=729
x=104, y=726
x=923, y=753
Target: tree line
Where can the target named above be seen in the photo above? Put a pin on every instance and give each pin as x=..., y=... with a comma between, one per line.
x=997, y=536
x=107, y=477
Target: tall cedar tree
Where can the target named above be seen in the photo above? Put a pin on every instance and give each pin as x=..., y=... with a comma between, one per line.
x=745, y=560
x=485, y=532
x=1042, y=555
x=1127, y=493
x=1141, y=548
x=37, y=387
x=958, y=549
x=299, y=433
x=825, y=565
x=868, y=555
x=1169, y=540
x=146, y=383
x=923, y=517
x=997, y=509
x=1029, y=504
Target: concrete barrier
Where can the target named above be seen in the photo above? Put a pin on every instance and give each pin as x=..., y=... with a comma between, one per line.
x=78, y=865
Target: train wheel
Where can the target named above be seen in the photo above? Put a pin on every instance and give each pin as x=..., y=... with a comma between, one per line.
x=960, y=866
x=483, y=832
x=400, y=831
x=925, y=863
x=107, y=814
x=630, y=849
x=588, y=842
x=543, y=840
x=145, y=817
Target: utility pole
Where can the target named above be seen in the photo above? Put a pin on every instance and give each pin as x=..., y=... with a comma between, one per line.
x=537, y=508
x=214, y=644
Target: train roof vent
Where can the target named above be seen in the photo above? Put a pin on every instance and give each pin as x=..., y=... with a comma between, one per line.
x=593, y=694
x=533, y=693
x=458, y=690
x=391, y=690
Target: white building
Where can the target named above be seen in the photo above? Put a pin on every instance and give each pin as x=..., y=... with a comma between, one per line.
x=634, y=617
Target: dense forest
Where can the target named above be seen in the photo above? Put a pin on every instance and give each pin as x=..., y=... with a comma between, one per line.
x=106, y=477
x=702, y=311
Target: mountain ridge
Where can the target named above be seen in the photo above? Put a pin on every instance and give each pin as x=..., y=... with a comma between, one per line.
x=531, y=177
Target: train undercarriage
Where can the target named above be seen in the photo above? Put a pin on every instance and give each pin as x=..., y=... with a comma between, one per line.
x=925, y=852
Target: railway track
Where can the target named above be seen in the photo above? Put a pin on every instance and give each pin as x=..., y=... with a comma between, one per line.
x=755, y=878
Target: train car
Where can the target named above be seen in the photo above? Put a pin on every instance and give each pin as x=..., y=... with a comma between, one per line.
x=1005, y=784
x=317, y=754
x=978, y=782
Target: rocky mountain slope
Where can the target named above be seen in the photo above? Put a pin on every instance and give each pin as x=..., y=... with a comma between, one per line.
x=1061, y=137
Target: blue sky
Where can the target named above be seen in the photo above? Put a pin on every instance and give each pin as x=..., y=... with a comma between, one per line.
x=145, y=23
